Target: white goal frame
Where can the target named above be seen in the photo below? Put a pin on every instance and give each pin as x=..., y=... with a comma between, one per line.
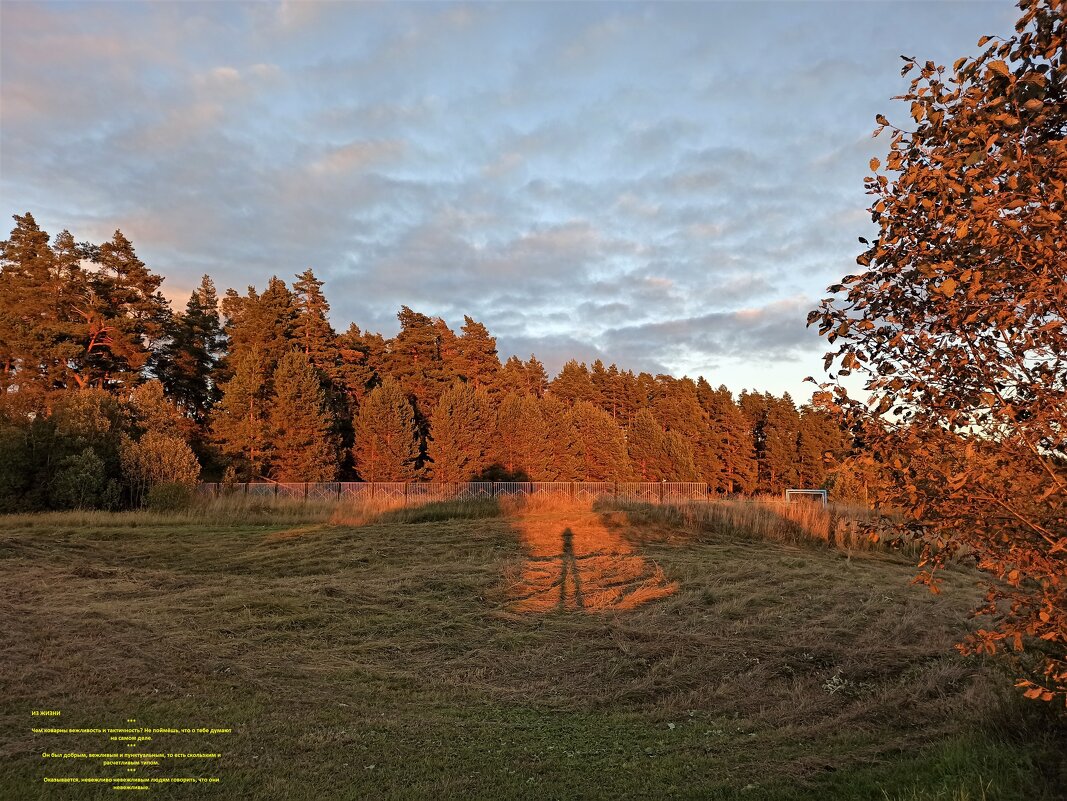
x=790, y=493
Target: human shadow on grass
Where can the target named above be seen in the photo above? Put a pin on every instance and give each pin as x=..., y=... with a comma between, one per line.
x=576, y=563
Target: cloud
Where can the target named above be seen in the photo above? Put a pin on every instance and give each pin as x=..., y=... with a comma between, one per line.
x=661, y=186
x=356, y=156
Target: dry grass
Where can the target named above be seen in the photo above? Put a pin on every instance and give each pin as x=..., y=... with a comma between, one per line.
x=384, y=657
x=836, y=525
x=578, y=559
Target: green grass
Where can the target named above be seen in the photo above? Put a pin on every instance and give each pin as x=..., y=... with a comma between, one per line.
x=376, y=656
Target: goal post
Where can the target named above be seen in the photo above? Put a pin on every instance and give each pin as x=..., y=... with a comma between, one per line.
x=819, y=495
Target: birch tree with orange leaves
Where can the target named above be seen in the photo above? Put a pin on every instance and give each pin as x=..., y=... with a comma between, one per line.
x=957, y=323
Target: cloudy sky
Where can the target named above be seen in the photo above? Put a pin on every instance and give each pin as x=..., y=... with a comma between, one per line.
x=668, y=186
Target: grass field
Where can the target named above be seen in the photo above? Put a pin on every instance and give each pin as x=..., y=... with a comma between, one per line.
x=441, y=652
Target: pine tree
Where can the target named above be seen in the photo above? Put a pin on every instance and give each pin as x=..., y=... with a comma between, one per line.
x=520, y=443
x=187, y=362
x=562, y=451
x=360, y=356
x=781, y=425
x=39, y=285
x=123, y=316
x=536, y=377
x=574, y=385
x=237, y=421
x=413, y=359
x=608, y=384
x=312, y=333
x=821, y=443
x=511, y=378
x=600, y=450
x=677, y=407
x=630, y=397
x=461, y=433
x=262, y=323
x=478, y=362
x=647, y=448
x=680, y=458
x=735, y=447
x=299, y=426
x=386, y=438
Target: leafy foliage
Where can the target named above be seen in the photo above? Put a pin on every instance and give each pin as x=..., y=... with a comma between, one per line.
x=958, y=324
x=157, y=458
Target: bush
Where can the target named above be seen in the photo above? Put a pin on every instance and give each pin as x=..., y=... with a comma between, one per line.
x=79, y=483
x=157, y=459
x=169, y=496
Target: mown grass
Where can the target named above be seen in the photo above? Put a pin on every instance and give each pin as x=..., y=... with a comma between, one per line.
x=374, y=653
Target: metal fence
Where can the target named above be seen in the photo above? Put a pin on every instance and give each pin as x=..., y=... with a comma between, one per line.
x=415, y=492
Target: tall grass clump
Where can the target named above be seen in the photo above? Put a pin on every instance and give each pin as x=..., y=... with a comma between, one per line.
x=837, y=525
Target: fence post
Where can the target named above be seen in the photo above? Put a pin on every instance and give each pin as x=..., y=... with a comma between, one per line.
x=275, y=489
x=338, y=490
x=305, y=492
x=406, y=492
x=662, y=486
x=246, y=489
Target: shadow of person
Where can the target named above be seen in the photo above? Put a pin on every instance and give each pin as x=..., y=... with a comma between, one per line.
x=569, y=564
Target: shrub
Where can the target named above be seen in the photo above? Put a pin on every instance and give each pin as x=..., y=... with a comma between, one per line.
x=157, y=459
x=169, y=496
x=79, y=483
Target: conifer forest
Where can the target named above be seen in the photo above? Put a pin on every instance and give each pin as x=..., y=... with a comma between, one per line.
x=259, y=385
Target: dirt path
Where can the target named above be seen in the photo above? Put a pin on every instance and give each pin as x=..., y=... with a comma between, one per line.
x=574, y=561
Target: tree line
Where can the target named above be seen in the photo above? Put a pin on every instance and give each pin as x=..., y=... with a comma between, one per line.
x=97, y=367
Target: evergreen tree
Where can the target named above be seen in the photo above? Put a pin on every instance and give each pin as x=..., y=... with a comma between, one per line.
x=360, y=354
x=680, y=458
x=630, y=397
x=187, y=362
x=123, y=316
x=511, y=378
x=520, y=444
x=732, y=435
x=477, y=361
x=677, y=407
x=41, y=335
x=312, y=333
x=260, y=323
x=600, y=450
x=608, y=384
x=647, y=448
x=238, y=420
x=574, y=385
x=821, y=443
x=413, y=360
x=387, y=438
x=778, y=463
x=536, y=377
x=562, y=451
x=461, y=433
x=448, y=353
x=300, y=428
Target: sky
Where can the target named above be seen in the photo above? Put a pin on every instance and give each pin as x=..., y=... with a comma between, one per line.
x=667, y=186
